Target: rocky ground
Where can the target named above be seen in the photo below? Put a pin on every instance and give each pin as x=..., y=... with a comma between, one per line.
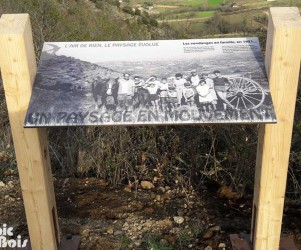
x=146, y=216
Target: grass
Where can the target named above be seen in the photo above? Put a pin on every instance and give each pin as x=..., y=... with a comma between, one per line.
x=205, y=13
x=191, y=15
x=125, y=242
x=199, y=3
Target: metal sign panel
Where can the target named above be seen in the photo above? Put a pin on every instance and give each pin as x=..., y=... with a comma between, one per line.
x=151, y=82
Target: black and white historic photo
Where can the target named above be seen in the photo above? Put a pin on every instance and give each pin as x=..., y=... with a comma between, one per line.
x=151, y=82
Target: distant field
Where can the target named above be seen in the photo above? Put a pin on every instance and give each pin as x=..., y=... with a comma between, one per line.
x=198, y=3
x=205, y=13
x=188, y=15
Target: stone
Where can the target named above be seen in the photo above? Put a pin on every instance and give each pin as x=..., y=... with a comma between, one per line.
x=149, y=210
x=208, y=248
x=164, y=223
x=215, y=229
x=163, y=242
x=170, y=238
x=148, y=224
x=127, y=189
x=110, y=230
x=208, y=234
x=147, y=185
x=165, y=196
x=65, y=181
x=2, y=184
x=85, y=232
x=10, y=184
x=178, y=219
x=180, y=212
x=222, y=245
x=155, y=179
x=158, y=197
x=137, y=243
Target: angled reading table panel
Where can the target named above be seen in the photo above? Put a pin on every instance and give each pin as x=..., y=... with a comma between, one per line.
x=151, y=82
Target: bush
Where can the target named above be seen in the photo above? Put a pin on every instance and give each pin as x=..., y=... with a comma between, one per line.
x=217, y=25
x=137, y=12
x=153, y=22
x=129, y=10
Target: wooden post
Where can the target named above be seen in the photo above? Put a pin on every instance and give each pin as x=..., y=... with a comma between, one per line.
x=18, y=68
x=283, y=55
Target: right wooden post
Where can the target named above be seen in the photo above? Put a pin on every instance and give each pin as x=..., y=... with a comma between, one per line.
x=283, y=56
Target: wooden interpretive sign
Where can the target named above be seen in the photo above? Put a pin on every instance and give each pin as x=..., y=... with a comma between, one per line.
x=151, y=82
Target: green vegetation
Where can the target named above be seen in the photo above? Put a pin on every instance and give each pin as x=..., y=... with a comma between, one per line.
x=215, y=2
x=205, y=13
x=153, y=243
x=204, y=3
x=125, y=242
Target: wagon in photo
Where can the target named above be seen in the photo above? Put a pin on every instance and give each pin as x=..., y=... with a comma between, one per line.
x=244, y=93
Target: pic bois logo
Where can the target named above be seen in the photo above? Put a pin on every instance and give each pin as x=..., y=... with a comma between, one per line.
x=7, y=239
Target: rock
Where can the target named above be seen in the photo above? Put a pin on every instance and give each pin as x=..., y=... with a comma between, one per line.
x=110, y=230
x=227, y=193
x=153, y=195
x=148, y=224
x=208, y=234
x=215, y=229
x=163, y=242
x=222, y=245
x=149, y=210
x=165, y=196
x=178, y=219
x=180, y=212
x=147, y=185
x=65, y=181
x=2, y=184
x=158, y=197
x=170, y=238
x=10, y=184
x=137, y=243
x=127, y=189
x=85, y=232
x=164, y=223
x=208, y=248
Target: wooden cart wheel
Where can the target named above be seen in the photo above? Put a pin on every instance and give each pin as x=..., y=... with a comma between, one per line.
x=244, y=93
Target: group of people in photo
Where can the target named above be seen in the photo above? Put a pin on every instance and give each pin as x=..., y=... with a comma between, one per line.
x=205, y=91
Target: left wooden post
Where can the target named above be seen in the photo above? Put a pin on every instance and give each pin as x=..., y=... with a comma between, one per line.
x=18, y=69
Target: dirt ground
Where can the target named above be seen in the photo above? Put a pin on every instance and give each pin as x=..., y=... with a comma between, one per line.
x=158, y=218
